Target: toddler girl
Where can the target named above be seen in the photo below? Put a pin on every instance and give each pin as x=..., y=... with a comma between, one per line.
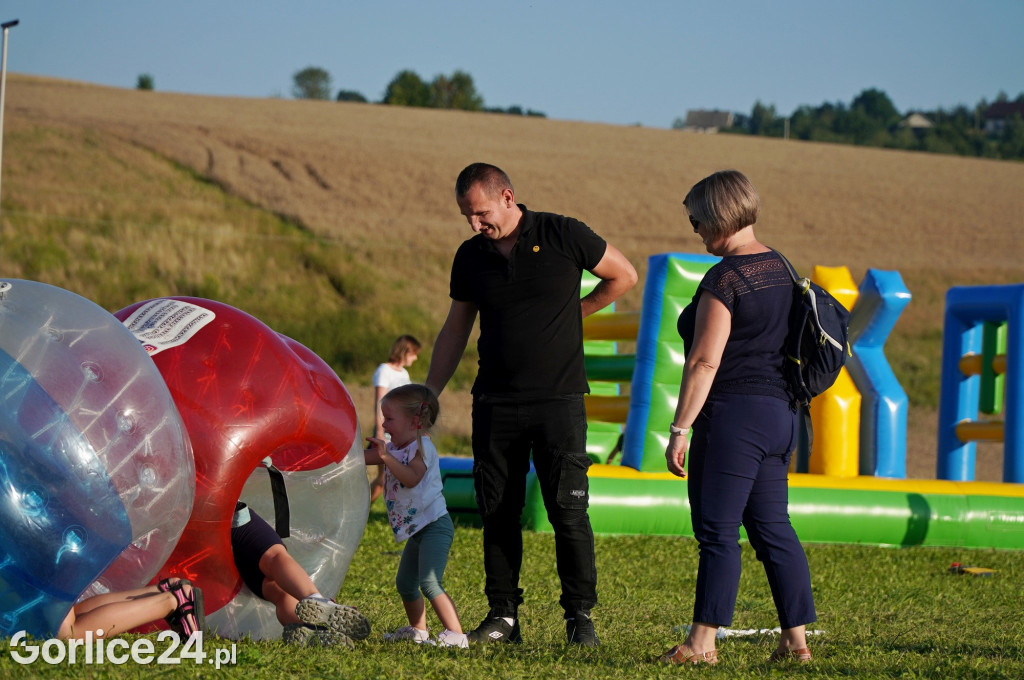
x=417, y=511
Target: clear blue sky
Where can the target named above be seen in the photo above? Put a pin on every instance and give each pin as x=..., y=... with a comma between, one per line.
x=641, y=61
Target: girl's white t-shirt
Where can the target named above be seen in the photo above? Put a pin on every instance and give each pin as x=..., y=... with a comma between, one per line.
x=411, y=509
x=387, y=377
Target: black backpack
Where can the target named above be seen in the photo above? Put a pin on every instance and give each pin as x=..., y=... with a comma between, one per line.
x=818, y=342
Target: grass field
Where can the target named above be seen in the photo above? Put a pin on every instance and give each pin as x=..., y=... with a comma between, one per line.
x=883, y=613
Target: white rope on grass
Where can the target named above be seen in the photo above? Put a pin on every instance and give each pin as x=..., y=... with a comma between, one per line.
x=722, y=633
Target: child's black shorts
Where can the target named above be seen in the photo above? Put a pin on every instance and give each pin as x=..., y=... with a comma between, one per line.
x=248, y=542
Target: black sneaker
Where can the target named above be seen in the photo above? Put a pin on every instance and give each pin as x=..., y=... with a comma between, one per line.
x=496, y=629
x=579, y=630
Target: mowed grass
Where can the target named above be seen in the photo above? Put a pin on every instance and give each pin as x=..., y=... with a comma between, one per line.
x=883, y=613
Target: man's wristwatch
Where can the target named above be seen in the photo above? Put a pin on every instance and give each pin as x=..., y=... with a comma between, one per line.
x=678, y=430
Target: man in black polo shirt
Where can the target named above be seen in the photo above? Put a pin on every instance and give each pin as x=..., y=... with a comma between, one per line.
x=521, y=273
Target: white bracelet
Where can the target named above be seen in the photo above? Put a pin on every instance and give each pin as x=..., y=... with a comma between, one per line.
x=677, y=430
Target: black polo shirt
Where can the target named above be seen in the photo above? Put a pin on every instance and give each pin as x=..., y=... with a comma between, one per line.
x=531, y=331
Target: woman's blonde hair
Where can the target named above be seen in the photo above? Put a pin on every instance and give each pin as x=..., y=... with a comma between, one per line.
x=417, y=400
x=723, y=203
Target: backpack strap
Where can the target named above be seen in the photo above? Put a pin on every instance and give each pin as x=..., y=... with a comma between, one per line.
x=805, y=438
x=802, y=282
x=789, y=267
x=282, y=513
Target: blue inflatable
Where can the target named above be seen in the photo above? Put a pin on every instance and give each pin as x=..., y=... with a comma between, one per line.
x=96, y=470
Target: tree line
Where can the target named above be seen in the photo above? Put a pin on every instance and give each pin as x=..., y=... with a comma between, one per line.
x=871, y=119
x=407, y=88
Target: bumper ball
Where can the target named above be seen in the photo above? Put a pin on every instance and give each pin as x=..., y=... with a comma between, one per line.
x=250, y=396
x=96, y=472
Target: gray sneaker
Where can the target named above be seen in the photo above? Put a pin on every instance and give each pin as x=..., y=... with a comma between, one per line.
x=338, y=618
x=303, y=635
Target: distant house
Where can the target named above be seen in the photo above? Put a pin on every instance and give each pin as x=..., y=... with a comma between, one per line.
x=699, y=120
x=996, y=115
x=915, y=121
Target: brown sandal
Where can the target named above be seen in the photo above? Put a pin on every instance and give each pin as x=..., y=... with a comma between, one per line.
x=678, y=656
x=801, y=655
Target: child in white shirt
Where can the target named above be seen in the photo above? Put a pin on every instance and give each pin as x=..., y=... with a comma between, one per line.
x=389, y=375
x=417, y=511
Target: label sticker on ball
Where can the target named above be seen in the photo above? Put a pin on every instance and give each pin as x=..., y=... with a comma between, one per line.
x=163, y=324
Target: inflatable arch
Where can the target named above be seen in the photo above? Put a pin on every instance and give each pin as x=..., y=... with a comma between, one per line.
x=968, y=334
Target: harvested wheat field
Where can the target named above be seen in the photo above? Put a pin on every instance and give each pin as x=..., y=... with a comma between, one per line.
x=378, y=180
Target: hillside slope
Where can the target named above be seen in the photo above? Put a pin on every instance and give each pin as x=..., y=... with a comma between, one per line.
x=365, y=191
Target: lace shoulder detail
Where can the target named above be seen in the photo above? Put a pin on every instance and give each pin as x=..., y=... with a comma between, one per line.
x=739, y=275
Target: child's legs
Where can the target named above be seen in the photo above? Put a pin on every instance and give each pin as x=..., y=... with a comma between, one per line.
x=267, y=568
x=284, y=604
x=250, y=542
x=435, y=543
x=289, y=576
x=416, y=612
x=446, y=612
x=407, y=583
x=117, y=615
x=95, y=601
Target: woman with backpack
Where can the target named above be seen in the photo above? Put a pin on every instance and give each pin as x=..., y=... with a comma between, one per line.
x=737, y=411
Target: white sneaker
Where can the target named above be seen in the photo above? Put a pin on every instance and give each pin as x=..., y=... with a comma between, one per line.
x=450, y=638
x=417, y=635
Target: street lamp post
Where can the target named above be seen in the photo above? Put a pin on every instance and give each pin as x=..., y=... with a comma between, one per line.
x=7, y=25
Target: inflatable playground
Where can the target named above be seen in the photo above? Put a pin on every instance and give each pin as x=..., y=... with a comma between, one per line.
x=848, y=485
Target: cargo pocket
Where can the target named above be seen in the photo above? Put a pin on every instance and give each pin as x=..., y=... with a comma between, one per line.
x=573, y=484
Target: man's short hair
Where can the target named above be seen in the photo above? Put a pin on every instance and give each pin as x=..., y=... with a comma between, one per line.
x=490, y=177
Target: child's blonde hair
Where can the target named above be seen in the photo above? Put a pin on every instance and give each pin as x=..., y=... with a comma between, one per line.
x=403, y=347
x=415, y=399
